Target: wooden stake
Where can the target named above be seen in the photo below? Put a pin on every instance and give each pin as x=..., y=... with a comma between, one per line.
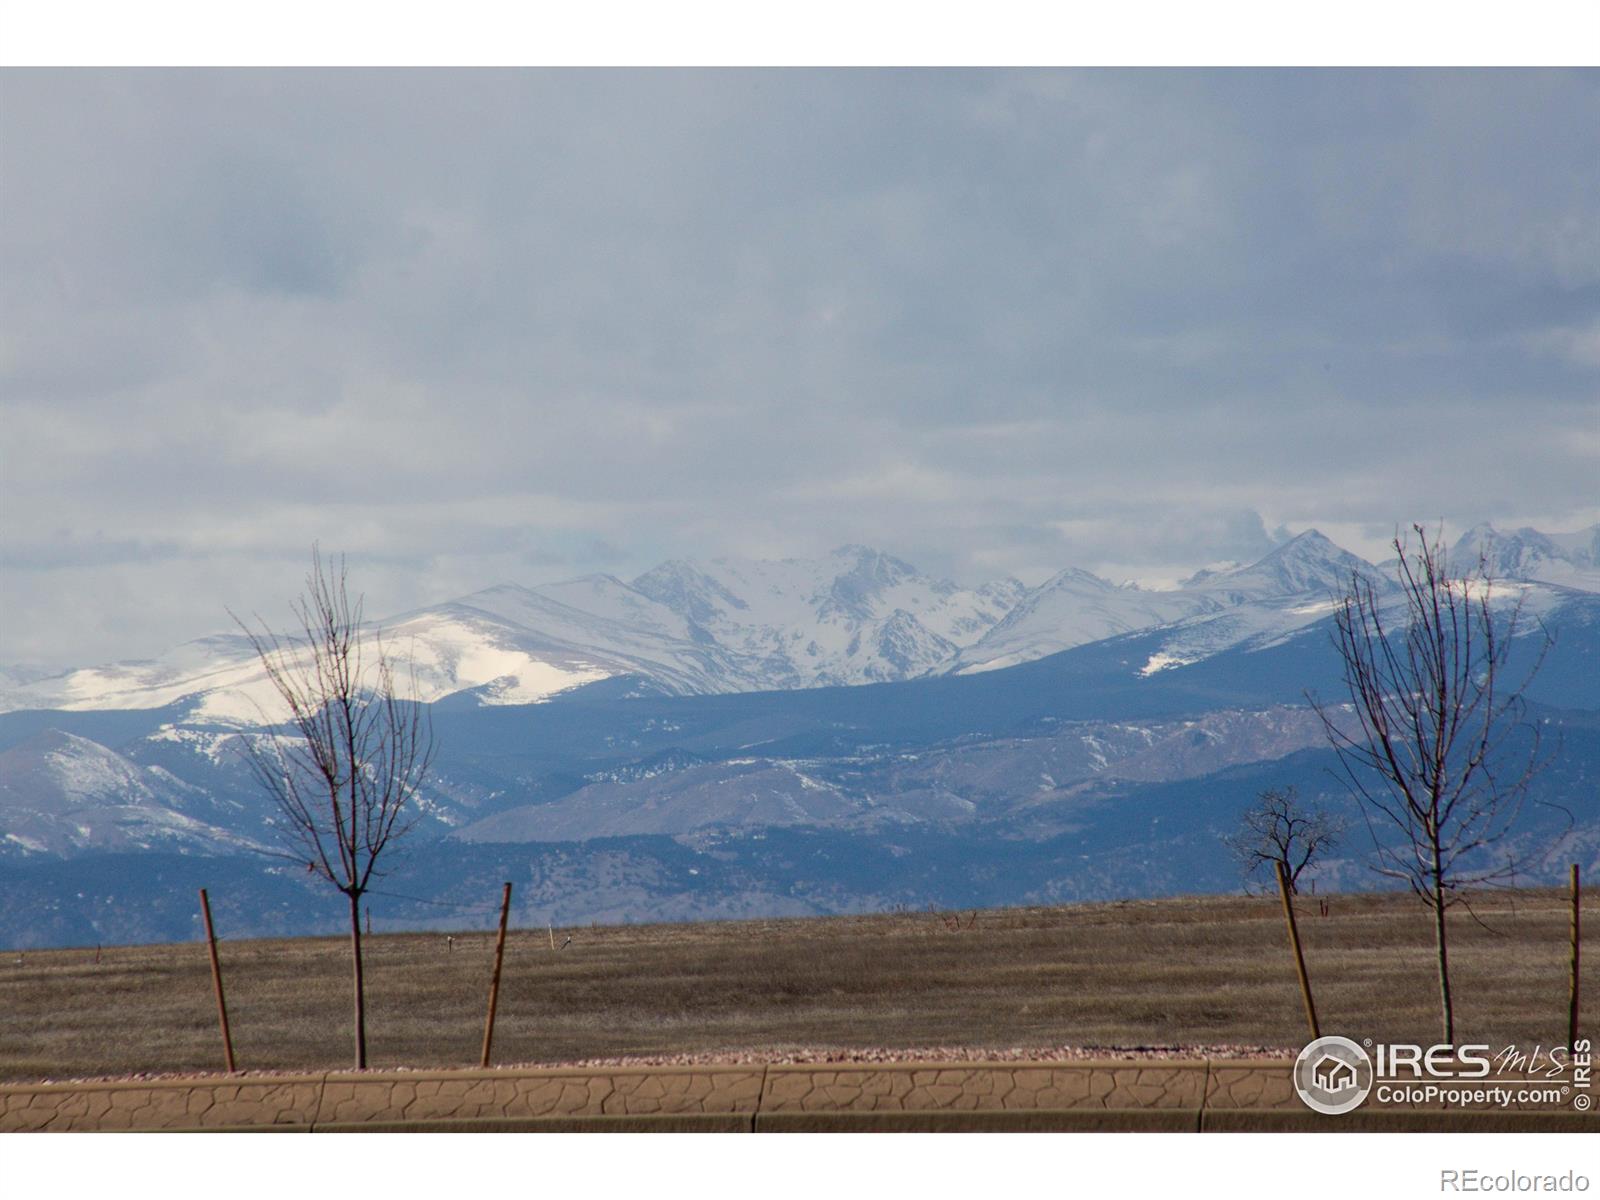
x=1299, y=956
x=1572, y=1003
x=216, y=979
x=494, y=985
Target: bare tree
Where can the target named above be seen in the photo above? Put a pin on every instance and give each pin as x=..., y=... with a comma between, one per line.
x=347, y=753
x=1437, y=750
x=1278, y=828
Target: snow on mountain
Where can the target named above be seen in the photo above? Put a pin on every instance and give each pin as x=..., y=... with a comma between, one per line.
x=586, y=629
x=1297, y=585
x=61, y=795
x=1212, y=610
x=1581, y=548
x=607, y=598
x=223, y=663
x=1072, y=609
x=1260, y=604
x=223, y=681
x=1565, y=559
x=853, y=616
x=1306, y=565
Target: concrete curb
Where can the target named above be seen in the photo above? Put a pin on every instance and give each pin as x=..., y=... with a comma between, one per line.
x=1192, y=1096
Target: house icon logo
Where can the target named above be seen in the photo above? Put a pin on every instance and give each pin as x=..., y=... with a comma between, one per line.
x=1333, y=1075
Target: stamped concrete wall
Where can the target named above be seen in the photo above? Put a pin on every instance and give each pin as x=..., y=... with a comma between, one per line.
x=711, y=1097
x=984, y=1096
x=1194, y=1096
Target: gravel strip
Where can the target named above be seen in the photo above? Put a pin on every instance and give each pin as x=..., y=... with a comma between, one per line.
x=781, y=1056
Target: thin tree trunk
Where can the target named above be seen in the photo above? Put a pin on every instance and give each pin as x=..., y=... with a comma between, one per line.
x=1444, y=961
x=360, y=991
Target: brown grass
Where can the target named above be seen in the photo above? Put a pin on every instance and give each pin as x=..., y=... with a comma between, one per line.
x=1176, y=972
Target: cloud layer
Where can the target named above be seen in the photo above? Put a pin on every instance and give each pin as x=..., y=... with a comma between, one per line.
x=517, y=325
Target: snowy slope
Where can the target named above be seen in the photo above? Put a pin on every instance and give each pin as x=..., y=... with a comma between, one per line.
x=1307, y=565
x=1286, y=589
x=1565, y=559
x=64, y=795
x=1072, y=609
x=222, y=680
x=853, y=616
x=595, y=627
x=1268, y=614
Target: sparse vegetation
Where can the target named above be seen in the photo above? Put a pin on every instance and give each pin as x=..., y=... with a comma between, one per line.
x=1188, y=971
x=1281, y=828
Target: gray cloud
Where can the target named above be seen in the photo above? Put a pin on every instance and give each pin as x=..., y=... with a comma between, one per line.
x=490, y=325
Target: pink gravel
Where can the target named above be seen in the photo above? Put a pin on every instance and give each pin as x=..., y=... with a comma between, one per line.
x=774, y=1056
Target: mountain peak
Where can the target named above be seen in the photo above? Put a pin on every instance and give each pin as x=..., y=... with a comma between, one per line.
x=1310, y=541
x=1076, y=578
x=874, y=563
x=1307, y=562
x=1572, y=559
x=686, y=589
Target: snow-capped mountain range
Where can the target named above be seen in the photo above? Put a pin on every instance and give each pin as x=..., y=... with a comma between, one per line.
x=854, y=616
x=1078, y=739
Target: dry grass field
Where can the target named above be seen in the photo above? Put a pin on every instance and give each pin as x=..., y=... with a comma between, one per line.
x=1183, y=972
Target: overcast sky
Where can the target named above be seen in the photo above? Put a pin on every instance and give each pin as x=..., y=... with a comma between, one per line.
x=487, y=326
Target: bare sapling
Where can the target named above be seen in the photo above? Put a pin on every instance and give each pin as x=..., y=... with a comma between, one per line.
x=1434, y=742
x=347, y=751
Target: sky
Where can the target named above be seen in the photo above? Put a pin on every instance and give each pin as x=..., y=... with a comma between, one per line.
x=511, y=326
